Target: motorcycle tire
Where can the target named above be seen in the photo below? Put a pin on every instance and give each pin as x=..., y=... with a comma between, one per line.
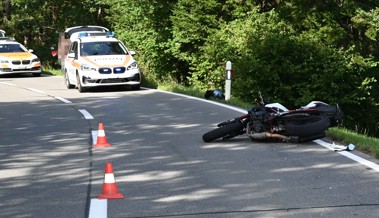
x=307, y=128
x=230, y=129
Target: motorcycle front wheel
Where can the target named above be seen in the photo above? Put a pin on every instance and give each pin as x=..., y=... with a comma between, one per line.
x=232, y=129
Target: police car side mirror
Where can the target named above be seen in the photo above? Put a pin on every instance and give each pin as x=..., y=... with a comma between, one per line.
x=132, y=53
x=71, y=55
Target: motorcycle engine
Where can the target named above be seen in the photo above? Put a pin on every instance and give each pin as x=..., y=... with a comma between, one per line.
x=257, y=126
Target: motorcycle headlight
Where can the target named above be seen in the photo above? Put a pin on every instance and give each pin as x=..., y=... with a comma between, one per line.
x=133, y=65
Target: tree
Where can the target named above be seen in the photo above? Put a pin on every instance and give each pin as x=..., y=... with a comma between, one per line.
x=144, y=26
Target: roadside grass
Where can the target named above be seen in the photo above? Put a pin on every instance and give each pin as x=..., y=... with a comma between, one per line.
x=51, y=71
x=363, y=143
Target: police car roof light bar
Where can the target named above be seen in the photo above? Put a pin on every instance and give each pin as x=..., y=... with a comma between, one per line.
x=111, y=34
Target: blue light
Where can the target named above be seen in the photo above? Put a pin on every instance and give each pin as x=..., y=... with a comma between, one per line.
x=105, y=70
x=83, y=34
x=111, y=34
x=119, y=69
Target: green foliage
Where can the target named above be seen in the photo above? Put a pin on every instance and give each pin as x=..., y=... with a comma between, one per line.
x=144, y=26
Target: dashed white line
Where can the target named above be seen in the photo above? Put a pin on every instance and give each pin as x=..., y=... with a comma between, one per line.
x=11, y=84
x=94, y=136
x=36, y=90
x=98, y=208
x=86, y=115
x=63, y=100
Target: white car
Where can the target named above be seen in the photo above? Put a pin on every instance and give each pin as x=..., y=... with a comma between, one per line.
x=99, y=60
x=16, y=59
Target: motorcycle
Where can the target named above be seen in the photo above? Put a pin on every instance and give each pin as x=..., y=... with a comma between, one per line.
x=274, y=121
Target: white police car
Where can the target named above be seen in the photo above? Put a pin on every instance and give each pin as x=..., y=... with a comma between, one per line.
x=99, y=59
x=16, y=59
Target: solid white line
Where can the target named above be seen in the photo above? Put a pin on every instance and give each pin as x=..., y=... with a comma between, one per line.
x=98, y=208
x=207, y=101
x=350, y=155
x=63, y=100
x=86, y=115
x=347, y=154
x=36, y=90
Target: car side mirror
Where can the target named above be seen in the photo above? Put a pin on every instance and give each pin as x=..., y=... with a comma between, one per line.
x=71, y=55
x=132, y=53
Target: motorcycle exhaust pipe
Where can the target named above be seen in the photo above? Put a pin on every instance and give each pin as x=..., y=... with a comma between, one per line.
x=264, y=135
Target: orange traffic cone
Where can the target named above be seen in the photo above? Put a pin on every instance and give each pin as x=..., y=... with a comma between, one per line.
x=110, y=190
x=101, y=138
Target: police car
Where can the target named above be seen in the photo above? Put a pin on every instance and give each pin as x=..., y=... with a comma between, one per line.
x=99, y=59
x=16, y=59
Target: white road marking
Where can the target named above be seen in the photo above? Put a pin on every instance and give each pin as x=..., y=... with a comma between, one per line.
x=207, y=101
x=94, y=136
x=86, y=115
x=11, y=84
x=36, y=90
x=98, y=208
x=350, y=155
x=63, y=100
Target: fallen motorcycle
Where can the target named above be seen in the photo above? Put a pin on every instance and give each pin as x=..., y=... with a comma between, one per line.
x=274, y=121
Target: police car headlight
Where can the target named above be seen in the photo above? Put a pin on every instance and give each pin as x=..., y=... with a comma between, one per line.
x=4, y=61
x=132, y=66
x=36, y=60
x=85, y=67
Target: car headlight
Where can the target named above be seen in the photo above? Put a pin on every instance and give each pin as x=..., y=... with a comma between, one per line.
x=36, y=60
x=4, y=61
x=133, y=65
x=86, y=67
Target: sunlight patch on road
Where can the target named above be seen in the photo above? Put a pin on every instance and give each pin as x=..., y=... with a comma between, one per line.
x=193, y=196
x=153, y=176
x=232, y=147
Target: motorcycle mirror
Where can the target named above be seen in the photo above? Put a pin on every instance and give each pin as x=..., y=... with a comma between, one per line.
x=350, y=147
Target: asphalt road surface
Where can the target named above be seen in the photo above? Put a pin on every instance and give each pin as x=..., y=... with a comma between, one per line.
x=49, y=166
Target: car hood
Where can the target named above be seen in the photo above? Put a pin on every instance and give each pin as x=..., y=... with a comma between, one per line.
x=109, y=60
x=18, y=56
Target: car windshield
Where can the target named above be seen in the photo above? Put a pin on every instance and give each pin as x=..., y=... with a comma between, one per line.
x=101, y=48
x=5, y=48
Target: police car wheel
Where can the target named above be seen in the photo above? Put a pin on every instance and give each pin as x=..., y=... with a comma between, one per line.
x=67, y=82
x=135, y=87
x=79, y=85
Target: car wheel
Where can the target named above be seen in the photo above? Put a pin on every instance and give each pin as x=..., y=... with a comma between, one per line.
x=79, y=85
x=136, y=87
x=36, y=74
x=67, y=81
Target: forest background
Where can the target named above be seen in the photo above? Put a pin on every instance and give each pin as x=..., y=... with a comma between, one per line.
x=292, y=51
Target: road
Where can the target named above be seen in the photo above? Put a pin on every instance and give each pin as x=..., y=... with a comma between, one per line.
x=50, y=168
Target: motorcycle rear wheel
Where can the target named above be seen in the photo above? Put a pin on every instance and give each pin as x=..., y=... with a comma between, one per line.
x=314, y=125
x=231, y=129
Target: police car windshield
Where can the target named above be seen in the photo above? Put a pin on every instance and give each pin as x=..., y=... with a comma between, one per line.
x=5, y=48
x=101, y=48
